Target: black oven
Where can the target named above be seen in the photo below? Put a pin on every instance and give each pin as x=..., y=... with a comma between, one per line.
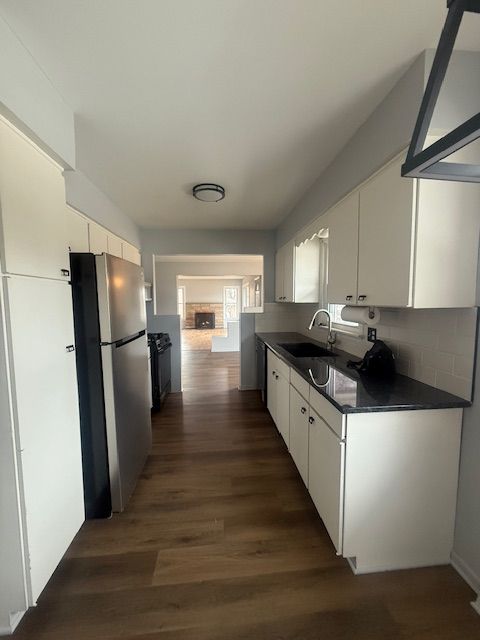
x=161, y=367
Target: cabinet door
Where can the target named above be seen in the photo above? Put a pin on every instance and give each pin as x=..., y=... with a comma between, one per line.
x=32, y=206
x=77, y=232
x=45, y=388
x=299, y=432
x=387, y=205
x=114, y=246
x=283, y=407
x=279, y=274
x=289, y=272
x=131, y=253
x=271, y=386
x=326, y=471
x=98, y=238
x=343, y=251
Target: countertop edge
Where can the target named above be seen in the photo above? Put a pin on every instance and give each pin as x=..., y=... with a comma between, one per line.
x=458, y=404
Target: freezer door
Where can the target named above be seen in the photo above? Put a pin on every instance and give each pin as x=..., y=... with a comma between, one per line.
x=121, y=298
x=129, y=432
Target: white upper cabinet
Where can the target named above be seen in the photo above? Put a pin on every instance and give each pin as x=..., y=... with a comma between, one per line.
x=307, y=271
x=285, y=273
x=114, y=245
x=98, y=238
x=399, y=242
x=131, y=253
x=288, y=271
x=385, y=244
x=32, y=205
x=447, y=232
x=343, y=251
x=77, y=232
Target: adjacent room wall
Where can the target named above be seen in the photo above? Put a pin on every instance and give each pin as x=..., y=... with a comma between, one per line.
x=204, y=242
x=210, y=242
x=206, y=290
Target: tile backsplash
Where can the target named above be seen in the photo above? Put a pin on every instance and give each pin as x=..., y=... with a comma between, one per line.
x=435, y=346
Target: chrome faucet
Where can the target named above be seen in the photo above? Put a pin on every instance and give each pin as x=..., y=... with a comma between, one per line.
x=331, y=336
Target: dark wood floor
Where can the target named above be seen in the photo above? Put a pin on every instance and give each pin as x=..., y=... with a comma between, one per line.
x=221, y=542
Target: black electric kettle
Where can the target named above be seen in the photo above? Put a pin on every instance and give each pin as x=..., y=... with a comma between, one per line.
x=379, y=361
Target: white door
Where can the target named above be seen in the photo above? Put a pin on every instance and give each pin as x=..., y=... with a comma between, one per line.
x=326, y=469
x=45, y=387
x=32, y=206
x=343, y=251
x=77, y=232
x=299, y=432
x=289, y=272
x=114, y=246
x=387, y=204
x=98, y=238
x=282, y=418
x=271, y=385
x=279, y=275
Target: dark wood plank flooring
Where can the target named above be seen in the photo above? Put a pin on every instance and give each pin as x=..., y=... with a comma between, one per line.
x=220, y=541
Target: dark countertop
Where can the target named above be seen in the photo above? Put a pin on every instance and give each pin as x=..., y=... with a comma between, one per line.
x=351, y=392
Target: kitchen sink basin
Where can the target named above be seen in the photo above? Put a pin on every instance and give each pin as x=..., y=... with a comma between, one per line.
x=307, y=350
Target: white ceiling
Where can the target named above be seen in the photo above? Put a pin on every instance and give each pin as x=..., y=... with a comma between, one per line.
x=227, y=257
x=257, y=95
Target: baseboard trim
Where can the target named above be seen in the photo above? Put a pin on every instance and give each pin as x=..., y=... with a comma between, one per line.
x=470, y=577
x=15, y=619
x=476, y=605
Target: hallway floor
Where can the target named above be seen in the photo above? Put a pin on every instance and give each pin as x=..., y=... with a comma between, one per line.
x=220, y=541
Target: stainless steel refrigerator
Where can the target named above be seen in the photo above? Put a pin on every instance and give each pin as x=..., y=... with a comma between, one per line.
x=112, y=368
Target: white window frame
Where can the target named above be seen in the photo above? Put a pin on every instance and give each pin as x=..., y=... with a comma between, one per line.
x=184, y=305
x=239, y=303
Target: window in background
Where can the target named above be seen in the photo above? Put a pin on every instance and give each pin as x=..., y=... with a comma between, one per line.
x=181, y=305
x=230, y=303
x=343, y=325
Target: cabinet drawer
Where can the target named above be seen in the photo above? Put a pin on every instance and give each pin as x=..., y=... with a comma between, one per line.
x=328, y=413
x=300, y=384
x=279, y=365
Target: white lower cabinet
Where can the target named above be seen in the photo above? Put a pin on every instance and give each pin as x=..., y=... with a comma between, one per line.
x=299, y=428
x=326, y=471
x=384, y=483
x=44, y=390
x=278, y=396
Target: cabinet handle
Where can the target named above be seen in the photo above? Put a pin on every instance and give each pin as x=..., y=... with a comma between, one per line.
x=348, y=297
x=276, y=377
x=303, y=410
x=362, y=298
x=65, y=272
x=273, y=373
x=311, y=420
x=69, y=348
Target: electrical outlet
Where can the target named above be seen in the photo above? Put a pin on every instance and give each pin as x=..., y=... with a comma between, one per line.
x=371, y=334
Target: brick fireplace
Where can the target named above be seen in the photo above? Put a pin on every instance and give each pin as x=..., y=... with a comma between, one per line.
x=191, y=308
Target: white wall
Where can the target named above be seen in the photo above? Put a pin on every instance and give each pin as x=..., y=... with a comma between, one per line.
x=29, y=100
x=87, y=198
x=166, y=278
x=206, y=290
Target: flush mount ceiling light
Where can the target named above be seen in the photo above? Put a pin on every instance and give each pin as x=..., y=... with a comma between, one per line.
x=427, y=163
x=208, y=192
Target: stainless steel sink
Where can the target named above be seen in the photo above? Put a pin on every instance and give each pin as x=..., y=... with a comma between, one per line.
x=307, y=350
